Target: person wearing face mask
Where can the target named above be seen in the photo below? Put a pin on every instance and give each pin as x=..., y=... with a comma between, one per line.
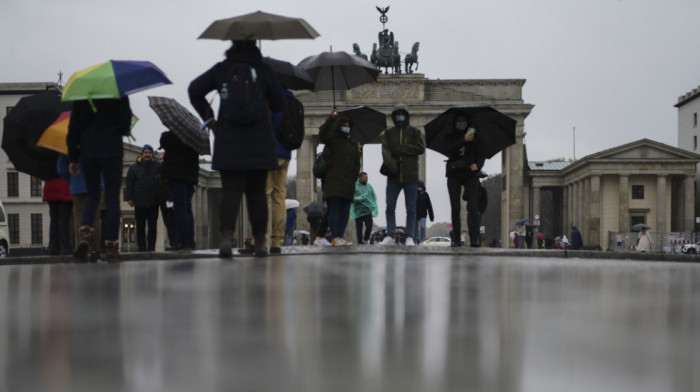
x=343, y=168
x=402, y=146
x=463, y=166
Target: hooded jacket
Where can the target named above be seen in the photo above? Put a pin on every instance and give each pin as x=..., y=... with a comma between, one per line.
x=424, y=207
x=365, y=202
x=401, y=146
x=141, y=183
x=240, y=147
x=343, y=157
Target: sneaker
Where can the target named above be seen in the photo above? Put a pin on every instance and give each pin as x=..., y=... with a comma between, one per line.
x=321, y=242
x=387, y=241
x=409, y=242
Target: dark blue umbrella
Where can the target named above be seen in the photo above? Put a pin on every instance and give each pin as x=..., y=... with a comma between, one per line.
x=522, y=221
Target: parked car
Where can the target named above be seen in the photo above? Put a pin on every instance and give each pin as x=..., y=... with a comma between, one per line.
x=436, y=241
x=690, y=248
x=4, y=234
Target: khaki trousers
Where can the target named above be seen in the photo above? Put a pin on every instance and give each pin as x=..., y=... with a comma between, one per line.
x=275, y=193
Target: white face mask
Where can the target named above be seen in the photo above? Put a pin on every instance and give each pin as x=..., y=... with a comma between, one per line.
x=345, y=130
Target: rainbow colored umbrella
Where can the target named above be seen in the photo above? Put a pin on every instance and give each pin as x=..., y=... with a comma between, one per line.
x=54, y=137
x=113, y=79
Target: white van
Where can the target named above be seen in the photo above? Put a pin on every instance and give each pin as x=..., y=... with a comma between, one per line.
x=4, y=234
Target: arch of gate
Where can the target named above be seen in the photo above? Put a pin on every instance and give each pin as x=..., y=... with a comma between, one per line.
x=426, y=99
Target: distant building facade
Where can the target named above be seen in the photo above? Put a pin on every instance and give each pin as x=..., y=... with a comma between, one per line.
x=688, y=129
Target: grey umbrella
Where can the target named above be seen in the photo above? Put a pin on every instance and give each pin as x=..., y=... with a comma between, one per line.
x=259, y=25
x=182, y=123
x=640, y=227
x=339, y=70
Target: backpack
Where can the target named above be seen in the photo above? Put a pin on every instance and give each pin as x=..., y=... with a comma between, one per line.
x=242, y=98
x=290, y=133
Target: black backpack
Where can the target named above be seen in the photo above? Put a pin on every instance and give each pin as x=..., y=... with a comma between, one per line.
x=290, y=133
x=242, y=97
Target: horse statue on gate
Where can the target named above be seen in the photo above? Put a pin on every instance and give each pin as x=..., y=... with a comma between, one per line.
x=387, y=54
x=412, y=58
x=357, y=51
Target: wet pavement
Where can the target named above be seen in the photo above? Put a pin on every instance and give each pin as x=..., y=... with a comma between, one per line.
x=352, y=321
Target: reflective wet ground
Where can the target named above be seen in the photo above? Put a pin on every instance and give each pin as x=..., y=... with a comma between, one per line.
x=351, y=322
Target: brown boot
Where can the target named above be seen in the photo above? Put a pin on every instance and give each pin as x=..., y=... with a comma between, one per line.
x=225, y=249
x=112, y=253
x=84, y=237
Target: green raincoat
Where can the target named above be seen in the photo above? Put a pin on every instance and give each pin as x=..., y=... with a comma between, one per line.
x=365, y=201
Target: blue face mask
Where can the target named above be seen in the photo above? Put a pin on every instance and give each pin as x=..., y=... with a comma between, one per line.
x=462, y=125
x=345, y=130
x=400, y=118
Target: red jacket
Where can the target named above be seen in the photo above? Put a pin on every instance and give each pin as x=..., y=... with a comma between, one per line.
x=56, y=189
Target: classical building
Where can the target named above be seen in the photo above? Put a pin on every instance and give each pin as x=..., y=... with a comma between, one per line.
x=609, y=191
x=688, y=131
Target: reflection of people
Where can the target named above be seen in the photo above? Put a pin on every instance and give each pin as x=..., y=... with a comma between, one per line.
x=576, y=239
x=644, y=242
x=181, y=171
x=364, y=208
x=402, y=145
x=95, y=146
x=463, y=166
x=343, y=169
x=141, y=193
x=243, y=153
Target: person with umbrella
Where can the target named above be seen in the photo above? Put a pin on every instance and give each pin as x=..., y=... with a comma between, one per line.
x=180, y=171
x=462, y=171
x=644, y=241
x=402, y=145
x=244, y=144
x=343, y=170
x=94, y=143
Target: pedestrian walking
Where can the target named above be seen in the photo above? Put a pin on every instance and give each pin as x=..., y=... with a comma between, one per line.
x=165, y=203
x=364, y=208
x=343, y=168
x=576, y=239
x=402, y=145
x=644, y=242
x=56, y=192
x=244, y=143
x=540, y=240
x=462, y=171
x=79, y=192
x=424, y=209
x=141, y=193
x=95, y=147
x=522, y=233
x=314, y=213
x=181, y=172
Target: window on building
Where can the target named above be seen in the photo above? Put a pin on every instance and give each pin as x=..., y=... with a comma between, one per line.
x=35, y=187
x=37, y=229
x=638, y=192
x=12, y=184
x=13, y=227
x=695, y=142
x=695, y=119
x=634, y=220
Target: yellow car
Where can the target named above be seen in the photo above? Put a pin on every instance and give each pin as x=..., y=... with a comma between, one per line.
x=436, y=241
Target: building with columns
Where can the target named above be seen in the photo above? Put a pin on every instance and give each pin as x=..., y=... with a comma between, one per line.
x=688, y=130
x=609, y=191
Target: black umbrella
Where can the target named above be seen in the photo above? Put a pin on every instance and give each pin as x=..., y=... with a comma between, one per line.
x=23, y=127
x=259, y=25
x=496, y=130
x=367, y=123
x=339, y=70
x=291, y=76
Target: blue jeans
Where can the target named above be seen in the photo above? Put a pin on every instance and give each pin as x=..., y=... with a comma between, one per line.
x=111, y=171
x=410, y=193
x=182, y=192
x=338, y=215
x=421, y=226
x=288, y=236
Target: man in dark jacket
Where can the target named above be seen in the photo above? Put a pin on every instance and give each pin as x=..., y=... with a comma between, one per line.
x=141, y=193
x=243, y=152
x=402, y=145
x=424, y=208
x=576, y=239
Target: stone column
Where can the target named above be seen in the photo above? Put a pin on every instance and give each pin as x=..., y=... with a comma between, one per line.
x=661, y=214
x=624, y=204
x=536, y=201
x=689, y=220
x=586, y=211
x=565, y=214
x=574, y=206
x=306, y=182
x=594, y=213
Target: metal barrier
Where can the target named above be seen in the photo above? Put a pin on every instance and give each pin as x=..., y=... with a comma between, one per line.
x=663, y=242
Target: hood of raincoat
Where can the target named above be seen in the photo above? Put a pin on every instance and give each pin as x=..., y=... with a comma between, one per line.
x=397, y=107
x=365, y=202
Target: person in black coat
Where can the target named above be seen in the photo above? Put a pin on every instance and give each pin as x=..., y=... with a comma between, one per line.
x=141, y=193
x=243, y=153
x=462, y=171
x=424, y=208
x=165, y=203
x=94, y=143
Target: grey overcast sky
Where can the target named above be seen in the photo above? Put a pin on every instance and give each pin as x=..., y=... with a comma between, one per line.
x=611, y=68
